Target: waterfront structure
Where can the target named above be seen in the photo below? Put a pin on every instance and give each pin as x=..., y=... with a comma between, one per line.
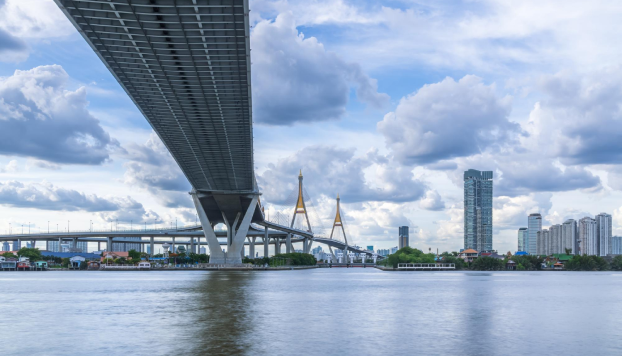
x=403, y=237
x=478, y=210
x=616, y=245
x=468, y=255
x=534, y=224
x=604, y=230
x=588, y=236
x=522, y=238
x=569, y=236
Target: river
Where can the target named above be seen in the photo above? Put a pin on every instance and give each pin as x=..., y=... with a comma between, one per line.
x=310, y=312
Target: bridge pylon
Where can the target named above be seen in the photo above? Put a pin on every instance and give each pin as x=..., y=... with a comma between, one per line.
x=300, y=209
x=338, y=223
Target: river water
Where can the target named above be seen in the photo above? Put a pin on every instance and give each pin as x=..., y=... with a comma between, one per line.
x=311, y=312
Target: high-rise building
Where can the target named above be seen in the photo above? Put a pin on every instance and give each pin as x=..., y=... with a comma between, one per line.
x=478, y=210
x=403, y=237
x=522, y=237
x=588, y=236
x=616, y=245
x=603, y=223
x=6, y=246
x=569, y=236
x=555, y=245
x=543, y=246
x=534, y=224
x=54, y=246
x=16, y=245
x=126, y=246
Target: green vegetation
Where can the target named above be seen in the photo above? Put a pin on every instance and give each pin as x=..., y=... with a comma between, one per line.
x=408, y=255
x=528, y=262
x=298, y=259
x=453, y=258
x=616, y=263
x=587, y=263
x=8, y=255
x=32, y=253
x=134, y=255
x=485, y=263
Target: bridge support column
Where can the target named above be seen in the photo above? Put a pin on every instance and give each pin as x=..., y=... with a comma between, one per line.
x=305, y=243
x=288, y=243
x=251, y=247
x=266, y=242
x=60, y=242
x=109, y=245
x=192, y=246
x=151, y=246
x=99, y=246
x=236, y=232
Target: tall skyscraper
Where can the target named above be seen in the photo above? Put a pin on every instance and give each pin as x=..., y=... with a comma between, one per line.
x=17, y=245
x=616, y=245
x=588, y=236
x=603, y=223
x=6, y=246
x=534, y=224
x=522, y=237
x=478, y=210
x=403, y=236
x=126, y=246
x=569, y=236
x=54, y=246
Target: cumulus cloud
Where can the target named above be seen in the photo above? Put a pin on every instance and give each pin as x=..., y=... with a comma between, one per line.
x=512, y=212
x=151, y=167
x=580, y=119
x=432, y=201
x=34, y=19
x=39, y=118
x=46, y=196
x=330, y=171
x=296, y=80
x=448, y=119
x=12, y=48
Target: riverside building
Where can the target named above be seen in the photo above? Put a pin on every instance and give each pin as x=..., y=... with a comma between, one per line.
x=603, y=226
x=478, y=210
x=588, y=236
x=569, y=235
x=403, y=237
x=534, y=225
x=522, y=238
x=616, y=245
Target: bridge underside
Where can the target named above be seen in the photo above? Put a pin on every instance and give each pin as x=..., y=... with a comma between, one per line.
x=186, y=66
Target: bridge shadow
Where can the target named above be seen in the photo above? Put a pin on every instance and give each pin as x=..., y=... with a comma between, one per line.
x=222, y=322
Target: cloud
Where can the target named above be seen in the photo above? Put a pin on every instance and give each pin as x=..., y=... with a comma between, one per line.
x=527, y=172
x=580, y=119
x=151, y=167
x=296, y=80
x=12, y=48
x=34, y=19
x=330, y=171
x=432, y=201
x=512, y=212
x=46, y=196
x=448, y=119
x=39, y=118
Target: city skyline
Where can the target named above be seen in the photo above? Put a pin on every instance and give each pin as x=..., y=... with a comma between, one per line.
x=368, y=135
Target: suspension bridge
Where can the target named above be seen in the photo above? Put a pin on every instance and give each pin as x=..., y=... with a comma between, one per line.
x=186, y=64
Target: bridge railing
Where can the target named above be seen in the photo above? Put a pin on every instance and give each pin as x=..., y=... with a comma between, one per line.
x=428, y=266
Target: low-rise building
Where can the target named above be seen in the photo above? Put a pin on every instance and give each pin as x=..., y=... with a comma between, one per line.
x=468, y=255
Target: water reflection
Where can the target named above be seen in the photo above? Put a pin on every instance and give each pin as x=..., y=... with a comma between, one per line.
x=223, y=313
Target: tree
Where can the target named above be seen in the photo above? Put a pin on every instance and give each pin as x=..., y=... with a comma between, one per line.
x=486, y=263
x=65, y=262
x=298, y=259
x=568, y=251
x=133, y=254
x=528, y=262
x=8, y=255
x=616, y=263
x=32, y=253
x=408, y=255
x=586, y=263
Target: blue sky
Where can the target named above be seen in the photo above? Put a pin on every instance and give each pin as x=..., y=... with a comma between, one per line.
x=385, y=103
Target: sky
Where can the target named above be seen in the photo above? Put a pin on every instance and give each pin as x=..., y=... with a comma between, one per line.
x=385, y=103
